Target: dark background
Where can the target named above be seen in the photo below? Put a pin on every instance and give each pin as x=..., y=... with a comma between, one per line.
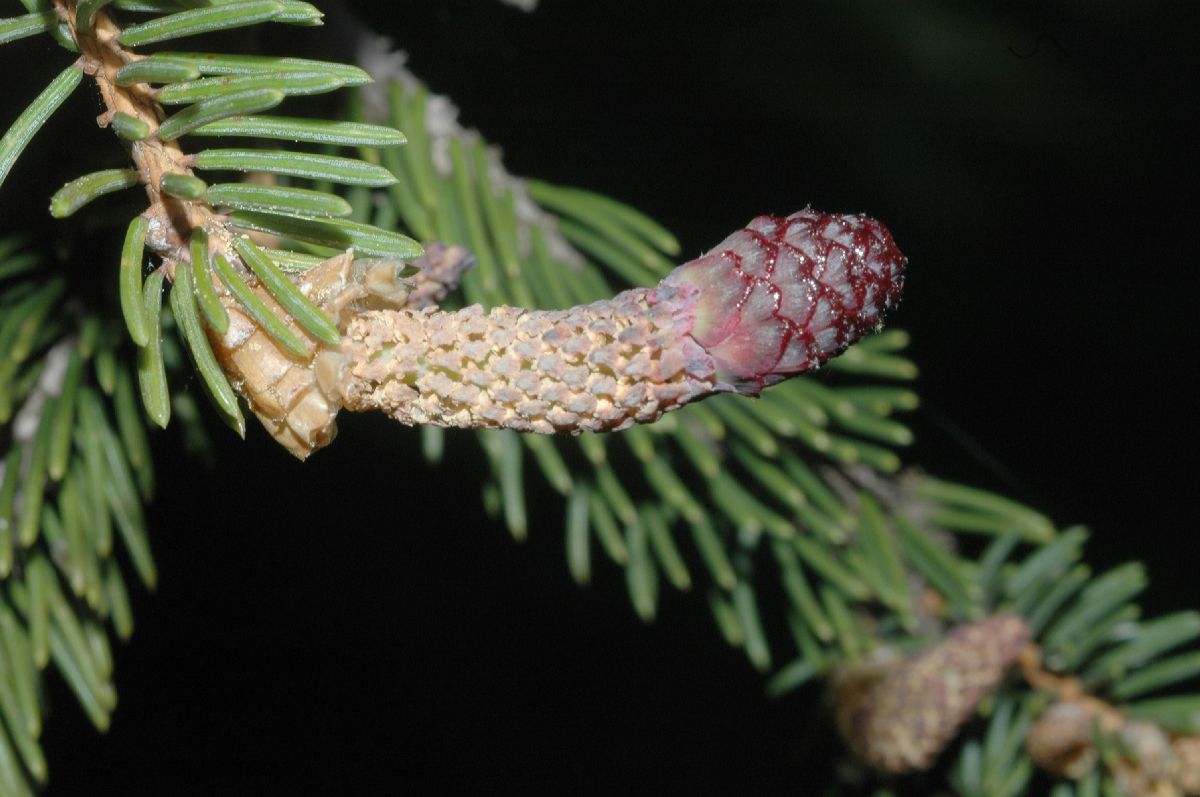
x=358, y=625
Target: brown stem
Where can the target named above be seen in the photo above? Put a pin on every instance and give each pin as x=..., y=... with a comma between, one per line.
x=1066, y=688
x=171, y=220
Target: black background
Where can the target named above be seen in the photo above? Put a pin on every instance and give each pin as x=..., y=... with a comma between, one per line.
x=358, y=625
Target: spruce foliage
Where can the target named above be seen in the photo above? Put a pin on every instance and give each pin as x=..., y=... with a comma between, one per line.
x=819, y=555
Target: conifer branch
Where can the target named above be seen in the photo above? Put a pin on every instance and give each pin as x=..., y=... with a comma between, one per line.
x=103, y=56
x=992, y=669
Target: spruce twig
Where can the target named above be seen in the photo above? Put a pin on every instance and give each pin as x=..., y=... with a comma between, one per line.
x=882, y=591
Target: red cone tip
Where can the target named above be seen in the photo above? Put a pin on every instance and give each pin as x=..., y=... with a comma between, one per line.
x=782, y=296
